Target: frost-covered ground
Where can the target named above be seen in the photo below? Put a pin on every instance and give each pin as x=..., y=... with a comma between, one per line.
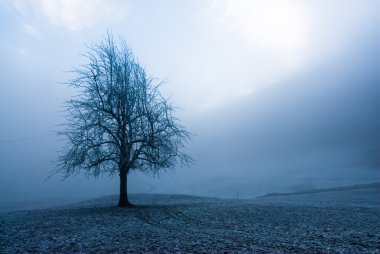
x=346, y=222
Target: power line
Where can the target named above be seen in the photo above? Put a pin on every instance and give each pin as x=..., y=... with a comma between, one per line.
x=25, y=138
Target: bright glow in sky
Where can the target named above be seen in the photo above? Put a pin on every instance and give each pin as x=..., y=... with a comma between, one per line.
x=279, y=26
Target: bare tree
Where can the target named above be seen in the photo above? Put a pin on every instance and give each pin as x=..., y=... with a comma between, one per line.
x=119, y=121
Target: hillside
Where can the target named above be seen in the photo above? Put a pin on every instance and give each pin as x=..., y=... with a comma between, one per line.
x=312, y=191
x=183, y=224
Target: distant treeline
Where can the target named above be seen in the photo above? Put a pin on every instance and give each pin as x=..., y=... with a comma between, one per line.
x=311, y=191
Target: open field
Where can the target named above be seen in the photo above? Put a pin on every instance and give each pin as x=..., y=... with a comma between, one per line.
x=330, y=222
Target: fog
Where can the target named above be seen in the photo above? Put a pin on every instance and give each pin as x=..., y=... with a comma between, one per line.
x=274, y=105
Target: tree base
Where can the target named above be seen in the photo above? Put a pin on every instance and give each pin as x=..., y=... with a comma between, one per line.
x=125, y=204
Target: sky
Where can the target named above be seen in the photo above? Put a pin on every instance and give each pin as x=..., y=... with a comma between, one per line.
x=281, y=95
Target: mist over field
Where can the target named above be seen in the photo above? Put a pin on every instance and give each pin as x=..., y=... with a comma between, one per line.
x=262, y=137
x=280, y=96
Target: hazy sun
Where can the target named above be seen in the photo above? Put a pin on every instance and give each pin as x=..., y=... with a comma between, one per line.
x=280, y=26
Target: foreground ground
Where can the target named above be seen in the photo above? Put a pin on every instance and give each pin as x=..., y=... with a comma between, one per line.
x=341, y=222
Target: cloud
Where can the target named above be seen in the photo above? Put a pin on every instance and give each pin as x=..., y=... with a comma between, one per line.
x=74, y=15
x=29, y=29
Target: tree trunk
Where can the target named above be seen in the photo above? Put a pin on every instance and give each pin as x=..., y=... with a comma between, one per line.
x=123, y=197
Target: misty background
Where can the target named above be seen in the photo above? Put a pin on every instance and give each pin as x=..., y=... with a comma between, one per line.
x=281, y=95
